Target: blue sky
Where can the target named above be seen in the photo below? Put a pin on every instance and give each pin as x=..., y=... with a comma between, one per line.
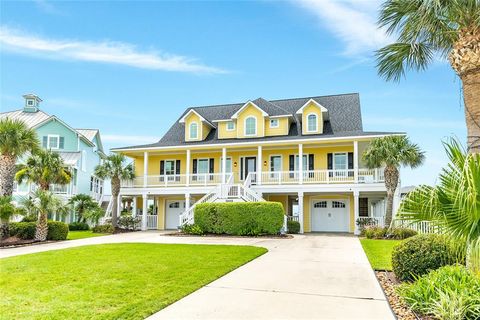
x=131, y=68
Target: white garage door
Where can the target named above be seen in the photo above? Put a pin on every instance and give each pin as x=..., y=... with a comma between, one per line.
x=173, y=210
x=330, y=216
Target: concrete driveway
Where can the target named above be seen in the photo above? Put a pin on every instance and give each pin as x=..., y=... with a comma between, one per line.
x=315, y=276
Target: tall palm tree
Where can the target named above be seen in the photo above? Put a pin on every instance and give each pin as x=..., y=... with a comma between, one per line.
x=454, y=204
x=392, y=152
x=16, y=139
x=428, y=29
x=114, y=168
x=82, y=203
x=44, y=168
x=46, y=202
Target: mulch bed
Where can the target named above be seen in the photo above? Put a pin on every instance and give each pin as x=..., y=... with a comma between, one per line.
x=213, y=235
x=389, y=282
x=14, y=242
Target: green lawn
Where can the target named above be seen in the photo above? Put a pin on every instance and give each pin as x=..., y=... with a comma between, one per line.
x=379, y=252
x=81, y=234
x=111, y=281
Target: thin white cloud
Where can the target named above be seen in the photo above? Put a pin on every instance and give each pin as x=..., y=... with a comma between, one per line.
x=105, y=52
x=47, y=7
x=353, y=22
x=128, y=139
x=414, y=122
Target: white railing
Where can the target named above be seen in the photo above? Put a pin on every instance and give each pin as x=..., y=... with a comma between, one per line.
x=372, y=221
x=176, y=180
x=315, y=176
x=152, y=222
x=187, y=216
x=293, y=218
x=420, y=227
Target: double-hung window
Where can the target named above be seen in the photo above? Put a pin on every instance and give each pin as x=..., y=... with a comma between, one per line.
x=230, y=126
x=312, y=123
x=202, y=168
x=53, y=142
x=169, y=169
x=340, y=164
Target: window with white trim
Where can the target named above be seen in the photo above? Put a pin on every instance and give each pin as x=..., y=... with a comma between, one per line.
x=320, y=204
x=53, y=141
x=193, y=130
x=230, y=126
x=251, y=126
x=274, y=123
x=340, y=161
x=312, y=122
x=229, y=165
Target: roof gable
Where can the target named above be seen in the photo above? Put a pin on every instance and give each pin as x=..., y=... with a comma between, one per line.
x=246, y=105
x=182, y=119
x=311, y=101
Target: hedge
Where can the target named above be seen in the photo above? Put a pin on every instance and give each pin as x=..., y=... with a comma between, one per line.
x=240, y=218
x=78, y=226
x=103, y=228
x=26, y=230
x=293, y=226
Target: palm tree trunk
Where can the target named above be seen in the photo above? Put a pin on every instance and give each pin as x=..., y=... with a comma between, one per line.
x=391, y=181
x=42, y=227
x=115, y=192
x=7, y=174
x=471, y=96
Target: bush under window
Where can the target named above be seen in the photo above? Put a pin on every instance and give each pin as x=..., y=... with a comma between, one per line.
x=240, y=218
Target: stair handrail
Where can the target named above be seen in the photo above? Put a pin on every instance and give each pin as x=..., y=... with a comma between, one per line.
x=248, y=180
x=187, y=216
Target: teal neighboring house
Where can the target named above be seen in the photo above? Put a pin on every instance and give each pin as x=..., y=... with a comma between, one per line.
x=81, y=150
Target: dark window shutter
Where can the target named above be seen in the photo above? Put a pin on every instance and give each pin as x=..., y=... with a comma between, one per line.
x=211, y=164
x=61, y=143
x=291, y=164
x=44, y=141
x=177, y=169
x=350, y=163
x=271, y=164
x=194, y=169
x=330, y=163
x=162, y=167
x=311, y=161
x=241, y=168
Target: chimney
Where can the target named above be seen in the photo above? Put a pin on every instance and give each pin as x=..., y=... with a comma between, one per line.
x=31, y=102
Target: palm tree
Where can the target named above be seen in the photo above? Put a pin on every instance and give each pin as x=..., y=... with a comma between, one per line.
x=114, y=168
x=454, y=204
x=46, y=202
x=82, y=203
x=392, y=152
x=428, y=29
x=44, y=168
x=15, y=140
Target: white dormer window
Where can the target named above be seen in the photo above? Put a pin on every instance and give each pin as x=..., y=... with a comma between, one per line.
x=274, y=123
x=230, y=126
x=193, y=130
x=312, y=124
x=251, y=126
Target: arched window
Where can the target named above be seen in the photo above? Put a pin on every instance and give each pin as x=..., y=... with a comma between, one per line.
x=312, y=122
x=193, y=130
x=251, y=126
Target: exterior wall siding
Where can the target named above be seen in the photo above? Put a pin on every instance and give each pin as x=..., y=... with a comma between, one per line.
x=282, y=130
x=250, y=111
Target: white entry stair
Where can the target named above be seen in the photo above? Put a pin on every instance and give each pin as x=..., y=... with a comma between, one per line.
x=225, y=192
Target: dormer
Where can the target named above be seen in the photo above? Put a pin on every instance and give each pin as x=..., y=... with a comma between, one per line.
x=32, y=102
x=313, y=115
x=197, y=127
x=250, y=121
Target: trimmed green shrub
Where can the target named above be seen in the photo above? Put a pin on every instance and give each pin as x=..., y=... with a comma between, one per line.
x=375, y=232
x=451, y=292
x=293, y=226
x=422, y=253
x=192, y=229
x=127, y=221
x=103, y=228
x=30, y=218
x=402, y=233
x=240, y=218
x=78, y=226
x=57, y=230
x=23, y=230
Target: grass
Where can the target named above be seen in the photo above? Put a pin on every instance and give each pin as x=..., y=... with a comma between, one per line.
x=111, y=281
x=81, y=234
x=379, y=252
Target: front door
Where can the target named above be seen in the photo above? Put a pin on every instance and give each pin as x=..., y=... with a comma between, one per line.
x=250, y=166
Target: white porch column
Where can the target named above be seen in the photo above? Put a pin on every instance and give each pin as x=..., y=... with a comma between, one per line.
x=300, y=165
x=144, y=212
x=145, y=168
x=300, y=210
x=224, y=165
x=356, y=202
x=259, y=166
x=355, y=161
x=134, y=209
x=187, y=169
x=119, y=205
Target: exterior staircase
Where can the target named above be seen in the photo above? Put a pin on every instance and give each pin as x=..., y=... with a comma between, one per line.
x=225, y=192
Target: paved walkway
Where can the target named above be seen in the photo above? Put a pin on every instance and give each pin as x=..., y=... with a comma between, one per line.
x=308, y=277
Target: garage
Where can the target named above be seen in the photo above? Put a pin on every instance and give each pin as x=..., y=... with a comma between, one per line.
x=173, y=209
x=330, y=215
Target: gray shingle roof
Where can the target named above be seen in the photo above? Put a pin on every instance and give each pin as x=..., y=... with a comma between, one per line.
x=344, y=119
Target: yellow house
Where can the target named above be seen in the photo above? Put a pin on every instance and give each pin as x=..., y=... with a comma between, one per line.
x=304, y=153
